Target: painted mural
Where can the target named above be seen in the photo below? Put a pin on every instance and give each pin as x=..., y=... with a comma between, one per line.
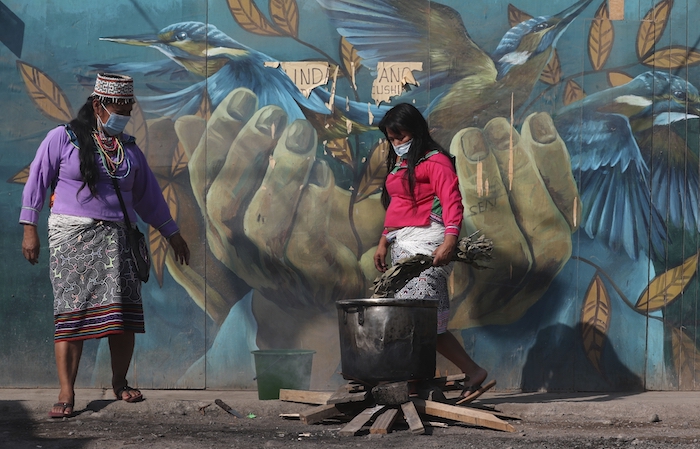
x=260, y=124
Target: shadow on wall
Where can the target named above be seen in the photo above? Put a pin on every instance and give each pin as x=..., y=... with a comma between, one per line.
x=18, y=429
x=552, y=365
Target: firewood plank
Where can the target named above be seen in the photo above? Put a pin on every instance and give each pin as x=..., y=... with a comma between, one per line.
x=462, y=414
x=360, y=420
x=382, y=425
x=412, y=418
x=305, y=396
x=318, y=414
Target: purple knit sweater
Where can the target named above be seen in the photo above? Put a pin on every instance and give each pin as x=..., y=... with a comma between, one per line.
x=57, y=161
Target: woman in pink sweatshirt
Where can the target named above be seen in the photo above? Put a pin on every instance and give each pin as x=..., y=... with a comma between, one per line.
x=423, y=216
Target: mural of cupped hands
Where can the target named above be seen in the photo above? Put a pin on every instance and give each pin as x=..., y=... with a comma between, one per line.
x=267, y=151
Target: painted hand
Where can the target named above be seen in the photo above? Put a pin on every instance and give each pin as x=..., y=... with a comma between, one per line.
x=273, y=214
x=525, y=199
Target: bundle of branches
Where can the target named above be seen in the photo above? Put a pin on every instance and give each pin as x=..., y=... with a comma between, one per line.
x=470, y=250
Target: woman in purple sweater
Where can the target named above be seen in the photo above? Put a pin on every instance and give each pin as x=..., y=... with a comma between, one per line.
x=97, y=291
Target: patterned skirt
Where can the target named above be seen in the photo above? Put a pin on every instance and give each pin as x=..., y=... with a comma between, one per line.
x=95, y=286
x=431, y=283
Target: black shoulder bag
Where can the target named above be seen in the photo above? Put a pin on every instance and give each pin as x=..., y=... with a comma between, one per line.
x=136, y=241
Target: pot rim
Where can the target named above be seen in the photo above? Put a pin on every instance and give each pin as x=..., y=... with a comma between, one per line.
x=397, y=302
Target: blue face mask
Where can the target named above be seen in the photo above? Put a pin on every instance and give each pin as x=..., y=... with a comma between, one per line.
x=115, y=123
x=402, y=150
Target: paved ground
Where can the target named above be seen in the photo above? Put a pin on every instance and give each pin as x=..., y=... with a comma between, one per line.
x=190, y=419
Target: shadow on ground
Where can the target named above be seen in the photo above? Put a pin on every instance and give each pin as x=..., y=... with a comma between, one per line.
x=19, y=429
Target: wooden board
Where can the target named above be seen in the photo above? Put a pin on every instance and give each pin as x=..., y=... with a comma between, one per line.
x=342, y=397
x=360, y=420
x=304, y=396
x=382, y=425
x=462, y=414
x=493, y=411
x=318, y=414
x=412, y=418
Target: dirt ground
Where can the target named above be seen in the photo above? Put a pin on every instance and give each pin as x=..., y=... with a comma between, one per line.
x=190, y=419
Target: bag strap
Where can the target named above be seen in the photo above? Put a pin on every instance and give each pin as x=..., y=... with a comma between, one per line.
x=121, y=203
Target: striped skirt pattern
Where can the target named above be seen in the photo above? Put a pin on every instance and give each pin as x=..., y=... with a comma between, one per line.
x=96, y=290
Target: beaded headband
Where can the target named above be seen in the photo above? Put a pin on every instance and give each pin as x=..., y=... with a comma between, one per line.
x=117, y=88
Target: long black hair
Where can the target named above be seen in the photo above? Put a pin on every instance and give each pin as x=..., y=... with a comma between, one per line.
x=83, y=125
x=404, y=117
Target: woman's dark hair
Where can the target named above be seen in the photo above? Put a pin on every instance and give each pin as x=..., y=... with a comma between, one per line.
x=405, y=117
x=83, y=126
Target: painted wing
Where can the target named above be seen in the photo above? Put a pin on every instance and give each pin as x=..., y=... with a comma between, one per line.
x=674, y=176
x=403, y=30
x=613, y=184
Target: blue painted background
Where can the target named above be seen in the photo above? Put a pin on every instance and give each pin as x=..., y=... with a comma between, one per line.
x=187, y=347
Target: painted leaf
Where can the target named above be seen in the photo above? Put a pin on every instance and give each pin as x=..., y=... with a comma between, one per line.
x=515, y=16
x=572, y=92
x=667, y=287
x=138, y=128
x=340, y=149
x=673, y=58
x=349, y=56
x=204, y=110
x=600, y=37
x=652, y=27
x=595, y=321
x=249, y=17
x=20, y=177
x=686, y=358
x=158, y=246
x=552, y=72
x=170, y=196
x=285, y=14
x=45, y=93
x=618, y=78
x=180, y=160
x=375, y=171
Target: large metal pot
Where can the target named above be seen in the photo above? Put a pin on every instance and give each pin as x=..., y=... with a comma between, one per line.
x=387, y=339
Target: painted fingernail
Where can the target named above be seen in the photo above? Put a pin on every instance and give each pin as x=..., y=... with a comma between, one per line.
x=242, y=105
x=473, y=145
x=272, y=121
x=300, y=136
x=498, y=132
x=542, y=128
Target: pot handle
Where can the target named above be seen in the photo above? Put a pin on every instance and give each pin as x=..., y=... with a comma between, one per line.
x=360, y=314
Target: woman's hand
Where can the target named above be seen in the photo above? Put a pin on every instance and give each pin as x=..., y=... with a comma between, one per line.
x=182, y=251
x=31, y=244
x=443, y=253
x=380, y=255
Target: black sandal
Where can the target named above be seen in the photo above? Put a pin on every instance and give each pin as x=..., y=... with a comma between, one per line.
x=127, y=389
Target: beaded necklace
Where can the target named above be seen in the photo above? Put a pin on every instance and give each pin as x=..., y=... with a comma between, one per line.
x=111, y=153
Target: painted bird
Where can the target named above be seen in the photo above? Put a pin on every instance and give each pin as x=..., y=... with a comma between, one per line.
x=476, y=86
x=634, y=173
x=220, y=64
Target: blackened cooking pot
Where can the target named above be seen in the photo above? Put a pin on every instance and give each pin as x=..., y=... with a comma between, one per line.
x=387, y=339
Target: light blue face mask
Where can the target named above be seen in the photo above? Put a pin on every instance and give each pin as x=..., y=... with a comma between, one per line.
x=402, y=150
x=115, y=123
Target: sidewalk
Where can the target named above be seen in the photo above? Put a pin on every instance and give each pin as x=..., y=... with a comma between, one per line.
x=179, y=419
x=533, y=407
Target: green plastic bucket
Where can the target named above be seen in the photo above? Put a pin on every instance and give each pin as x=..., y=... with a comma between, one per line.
x=282, y=368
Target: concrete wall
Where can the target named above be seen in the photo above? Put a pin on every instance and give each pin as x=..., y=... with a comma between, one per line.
x=599, y=294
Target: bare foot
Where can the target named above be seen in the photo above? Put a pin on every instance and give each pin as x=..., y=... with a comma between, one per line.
x=476, y=378
x=128, y=394
x=64, y=406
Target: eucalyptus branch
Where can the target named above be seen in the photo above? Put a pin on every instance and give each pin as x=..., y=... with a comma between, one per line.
x=469, y=250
